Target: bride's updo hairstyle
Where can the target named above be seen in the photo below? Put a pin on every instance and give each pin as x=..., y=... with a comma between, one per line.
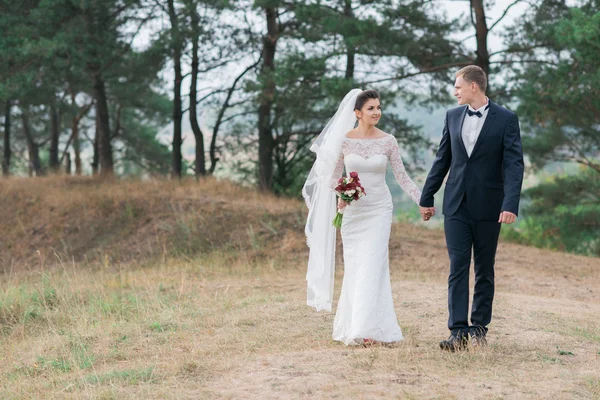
x=365, y=96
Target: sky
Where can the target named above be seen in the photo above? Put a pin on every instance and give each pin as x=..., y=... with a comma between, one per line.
x=456, y=8
x=453, y=8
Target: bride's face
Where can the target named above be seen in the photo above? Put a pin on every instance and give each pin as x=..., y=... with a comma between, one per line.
x=370, y=113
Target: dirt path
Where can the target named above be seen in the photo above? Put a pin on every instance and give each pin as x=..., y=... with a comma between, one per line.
x=539, y=348
x=544, y=339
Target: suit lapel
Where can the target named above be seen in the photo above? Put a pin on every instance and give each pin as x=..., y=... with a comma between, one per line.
x=489, y=120
x=461, y=121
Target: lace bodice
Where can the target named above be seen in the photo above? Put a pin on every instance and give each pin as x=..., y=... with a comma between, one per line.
x=366, y=148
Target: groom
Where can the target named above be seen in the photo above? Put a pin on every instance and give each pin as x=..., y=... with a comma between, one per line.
x=481, y=146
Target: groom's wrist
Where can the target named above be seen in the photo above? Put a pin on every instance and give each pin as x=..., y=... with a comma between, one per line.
x=426, y=203
x=510, y=208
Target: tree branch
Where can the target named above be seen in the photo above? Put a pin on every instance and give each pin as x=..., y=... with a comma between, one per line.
x=524, y=61
x=519, y=50
x=230, y=93
x=203, y=98
x=504, y=14
x=421, y=72
x=82, y=112
x=237, y=115
x=160, y=5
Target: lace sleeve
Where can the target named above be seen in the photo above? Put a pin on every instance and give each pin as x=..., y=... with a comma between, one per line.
x=400, y=172
x=337, y=172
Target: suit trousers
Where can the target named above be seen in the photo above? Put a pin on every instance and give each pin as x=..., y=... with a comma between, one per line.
x=465, y=235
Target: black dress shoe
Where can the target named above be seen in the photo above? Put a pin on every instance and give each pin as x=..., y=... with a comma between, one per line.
x=454, y=343
x=478, y=341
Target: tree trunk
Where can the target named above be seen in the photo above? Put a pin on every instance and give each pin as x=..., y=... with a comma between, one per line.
x=177, y=112
x=68, y=163
x=54, y=136
x=266, y=142
x=103, y=128
x=481, y=34
x=200, y=164
x=35, y=166
x=350, y=62
x=96, y=156
x=7, y=149
x=213, y=153
x=75, y=131
x=280, y=161
x=76, y=145
x=117, y=122
x=350, y=50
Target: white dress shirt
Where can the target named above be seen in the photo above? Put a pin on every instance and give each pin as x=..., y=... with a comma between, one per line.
x=472, y=126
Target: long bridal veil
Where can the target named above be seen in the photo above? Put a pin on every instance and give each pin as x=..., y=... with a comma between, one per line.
x=321, y=202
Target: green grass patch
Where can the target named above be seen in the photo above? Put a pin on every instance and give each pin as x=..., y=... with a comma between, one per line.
x=565, y=352
x=588, y=334
x=59, y=364
x=82, y=356
x=128, y=376
x=158, y=327
x=123, y=305
x=548, y=359
x=23, y=304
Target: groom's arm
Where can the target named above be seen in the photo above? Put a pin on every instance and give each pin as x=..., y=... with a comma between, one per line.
x=513, y=166
x=439, y=169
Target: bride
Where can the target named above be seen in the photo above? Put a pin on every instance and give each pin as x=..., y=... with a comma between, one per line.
x=365, y=312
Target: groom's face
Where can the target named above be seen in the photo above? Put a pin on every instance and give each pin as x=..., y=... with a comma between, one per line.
x=463, y=91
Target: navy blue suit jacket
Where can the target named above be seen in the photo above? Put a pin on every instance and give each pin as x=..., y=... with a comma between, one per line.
x=491, y=178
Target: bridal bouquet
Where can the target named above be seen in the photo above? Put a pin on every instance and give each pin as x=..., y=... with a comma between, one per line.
x=347, y=189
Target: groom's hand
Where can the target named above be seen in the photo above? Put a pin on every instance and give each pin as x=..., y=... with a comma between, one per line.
x=506, y=217
x=427, y=212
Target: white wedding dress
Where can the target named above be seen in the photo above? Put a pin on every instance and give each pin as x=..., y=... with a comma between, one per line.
x=365, y=309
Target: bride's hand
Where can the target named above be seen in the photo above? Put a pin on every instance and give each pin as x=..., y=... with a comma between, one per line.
x=341, y=204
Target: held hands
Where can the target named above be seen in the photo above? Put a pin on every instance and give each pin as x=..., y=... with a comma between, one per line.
x=507, y=217
x=427, y=212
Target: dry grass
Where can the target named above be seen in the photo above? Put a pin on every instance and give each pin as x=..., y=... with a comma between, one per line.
x=226, y=321
x=48, y=221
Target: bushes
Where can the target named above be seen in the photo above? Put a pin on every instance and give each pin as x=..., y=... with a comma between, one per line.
x=562, y=214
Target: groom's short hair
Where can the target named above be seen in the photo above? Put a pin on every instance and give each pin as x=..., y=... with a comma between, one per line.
x=473, y=73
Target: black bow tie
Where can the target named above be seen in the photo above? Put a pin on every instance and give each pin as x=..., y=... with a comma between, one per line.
x=478, y=113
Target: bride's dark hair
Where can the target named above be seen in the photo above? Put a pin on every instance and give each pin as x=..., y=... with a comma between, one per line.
x=365, y=96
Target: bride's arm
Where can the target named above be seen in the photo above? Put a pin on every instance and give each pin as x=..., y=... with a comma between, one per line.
x=400, y=172
x=337, y=172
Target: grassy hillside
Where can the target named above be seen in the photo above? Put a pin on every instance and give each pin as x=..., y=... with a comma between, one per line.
x=58, y=220
x=196, y=290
